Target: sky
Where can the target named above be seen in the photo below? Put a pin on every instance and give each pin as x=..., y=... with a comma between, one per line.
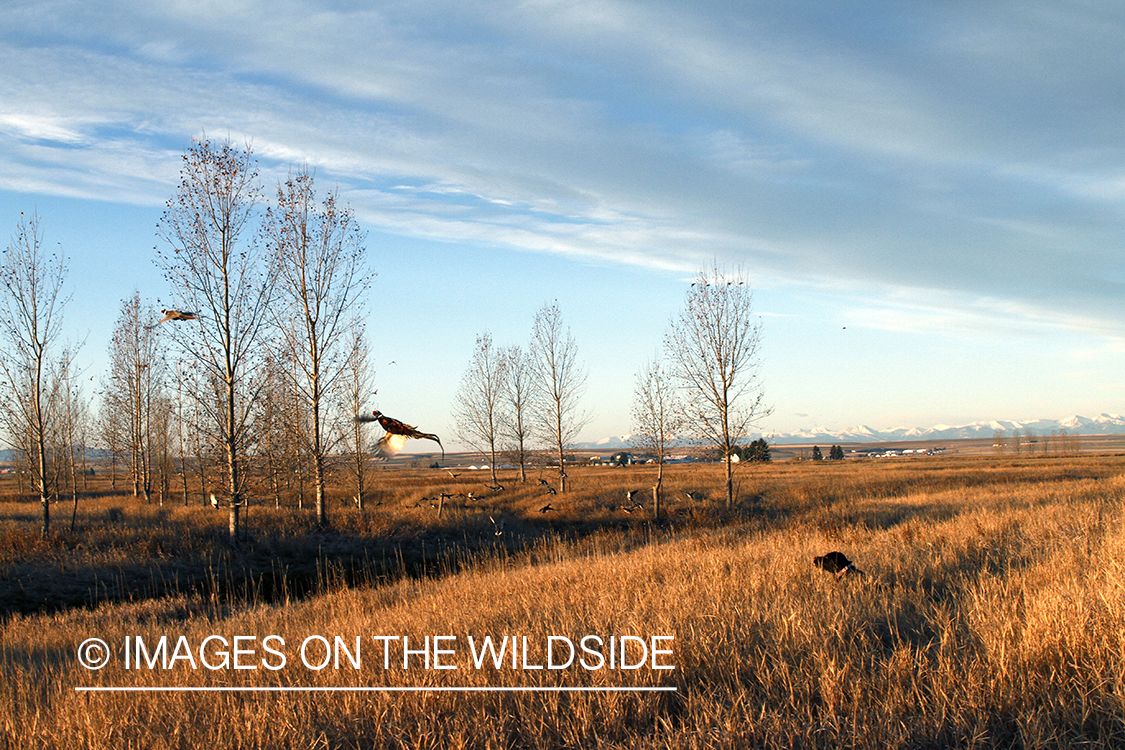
x=927, y=197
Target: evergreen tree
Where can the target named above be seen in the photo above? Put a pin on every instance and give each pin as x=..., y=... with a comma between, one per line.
x=758, y=450
x=816, y=454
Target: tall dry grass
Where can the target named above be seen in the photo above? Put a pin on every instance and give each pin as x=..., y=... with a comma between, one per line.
x=992, y=615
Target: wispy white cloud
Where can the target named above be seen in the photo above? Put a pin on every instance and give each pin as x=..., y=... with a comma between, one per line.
x=969, y=151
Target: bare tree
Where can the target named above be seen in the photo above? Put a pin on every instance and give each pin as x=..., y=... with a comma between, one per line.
x=319, y=253
x=657, y=418
x=111, y=428
x=713, y=348
x=135, y=379
x=30, y=319
x=161, y=424
x=182, y=416
x=519, y=403
x=478, y=409
x=217, y=275
x=560, y=382
x=271, y=428
x=73, y=416
x=358, y=382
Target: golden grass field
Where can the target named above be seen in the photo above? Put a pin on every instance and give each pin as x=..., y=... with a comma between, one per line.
x=992, y=613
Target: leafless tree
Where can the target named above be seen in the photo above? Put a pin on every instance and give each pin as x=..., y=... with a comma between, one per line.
x=713, y=352
x=519, y=404
x=111, y=428
x=358, y=388
x=73, y=417
x=161, y=426
x=181, y=415
x=318, y=250
x=271, y=429
x=30, y=318
x=657, y=418
x=297, y=444
x=998, y=441
x=217, y=273
x=199, y=442
x=136, y=372
x=560, y=381
x=478, y=406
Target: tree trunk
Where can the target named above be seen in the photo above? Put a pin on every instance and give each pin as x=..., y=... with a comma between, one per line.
x=321, y=504
x=44, y=496
x=234, y=522
x=730, y=484
x=562, y=470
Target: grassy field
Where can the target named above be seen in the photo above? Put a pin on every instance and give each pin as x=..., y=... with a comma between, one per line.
x=992, y=614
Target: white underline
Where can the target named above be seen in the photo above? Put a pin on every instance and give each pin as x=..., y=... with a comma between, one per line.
x=280, y=689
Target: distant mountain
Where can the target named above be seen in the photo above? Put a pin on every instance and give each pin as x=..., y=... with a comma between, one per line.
x=1103, y=424
x=607, y=444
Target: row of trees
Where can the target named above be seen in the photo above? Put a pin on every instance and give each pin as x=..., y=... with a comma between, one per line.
x=276, y=299
x=262, y=353
x=264, y=349
x=710, y=390
x=40, y=407
x=1058, y=441
x=511, y=397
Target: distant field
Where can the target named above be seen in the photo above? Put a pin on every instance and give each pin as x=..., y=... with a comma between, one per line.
x=1037, y=446
x=992, y=612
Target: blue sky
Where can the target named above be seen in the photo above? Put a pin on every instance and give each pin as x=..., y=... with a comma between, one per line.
x=927, y=197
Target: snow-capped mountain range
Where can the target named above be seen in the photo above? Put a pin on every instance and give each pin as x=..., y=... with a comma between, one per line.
x=1103, y=424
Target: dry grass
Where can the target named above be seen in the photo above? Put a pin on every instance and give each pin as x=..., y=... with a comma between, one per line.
x=992, y=615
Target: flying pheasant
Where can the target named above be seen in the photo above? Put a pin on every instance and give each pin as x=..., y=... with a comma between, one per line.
x=396, y=434
x=176, y=315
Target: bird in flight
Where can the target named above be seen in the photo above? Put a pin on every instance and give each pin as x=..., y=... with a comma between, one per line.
x=396, y=433
x=176, y=315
